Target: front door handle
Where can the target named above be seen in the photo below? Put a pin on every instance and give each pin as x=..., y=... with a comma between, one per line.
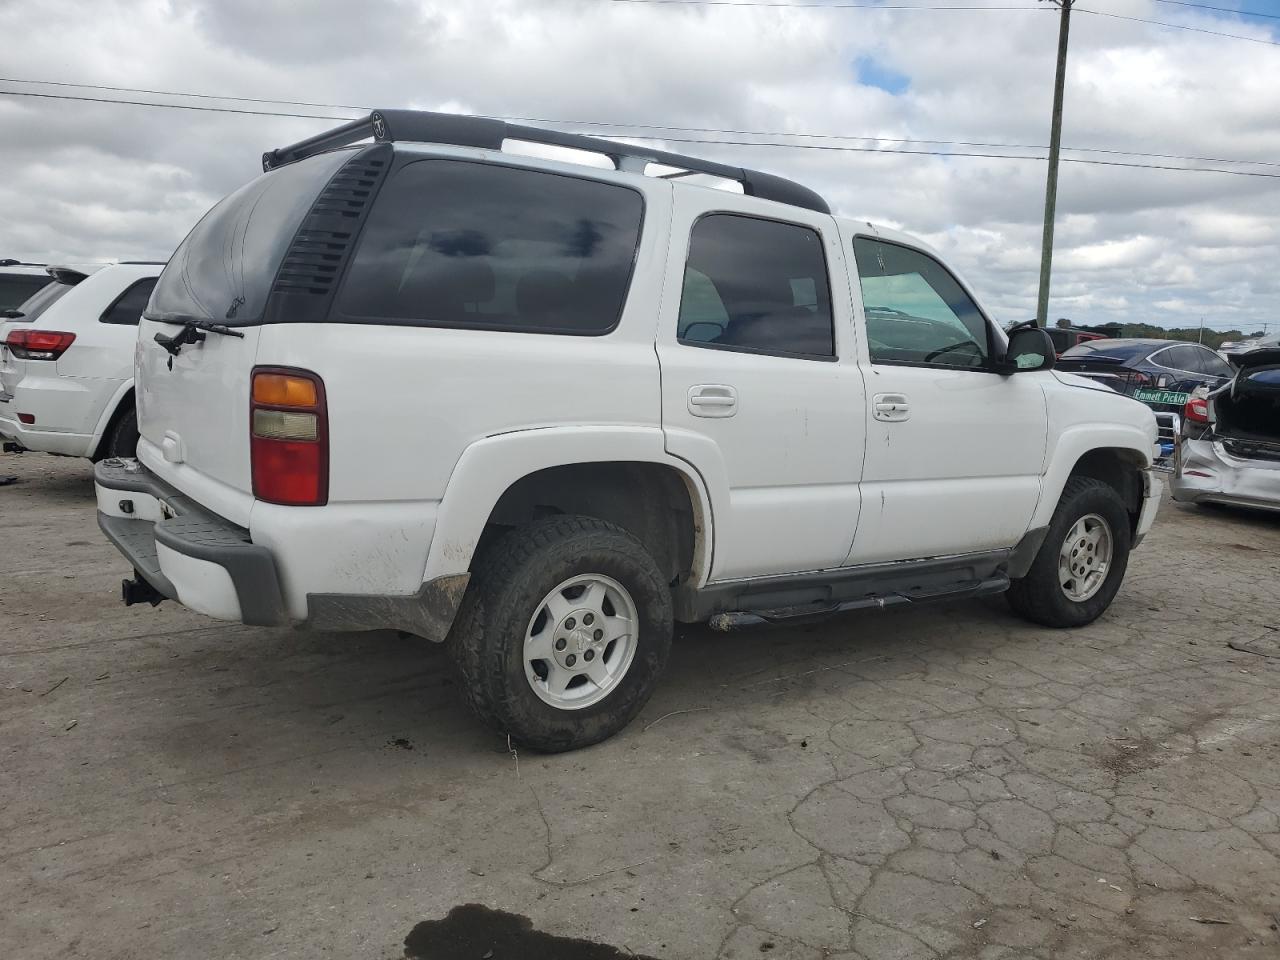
x=890, y=407
x=713, y=400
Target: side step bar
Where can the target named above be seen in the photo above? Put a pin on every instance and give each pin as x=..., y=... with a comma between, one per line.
x=740, y=619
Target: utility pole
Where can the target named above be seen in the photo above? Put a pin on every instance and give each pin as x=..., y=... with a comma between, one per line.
x=1055, y=145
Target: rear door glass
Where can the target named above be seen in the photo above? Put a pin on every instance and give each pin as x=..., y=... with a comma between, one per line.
x=757, y=286
x=455, y=243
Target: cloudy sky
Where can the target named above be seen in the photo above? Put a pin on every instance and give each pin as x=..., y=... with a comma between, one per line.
x=90, y=181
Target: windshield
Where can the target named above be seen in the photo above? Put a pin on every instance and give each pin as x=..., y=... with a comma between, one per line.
x=224, y=269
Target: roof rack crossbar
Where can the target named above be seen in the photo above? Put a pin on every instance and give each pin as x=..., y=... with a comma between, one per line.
x=421, y=126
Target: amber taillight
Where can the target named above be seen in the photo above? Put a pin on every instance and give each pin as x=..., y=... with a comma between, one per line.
x=289, y=437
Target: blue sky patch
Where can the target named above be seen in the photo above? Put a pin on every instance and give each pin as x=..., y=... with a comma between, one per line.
x=871, y=73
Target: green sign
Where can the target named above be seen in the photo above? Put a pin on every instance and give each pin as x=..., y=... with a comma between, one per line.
x=1162, y=396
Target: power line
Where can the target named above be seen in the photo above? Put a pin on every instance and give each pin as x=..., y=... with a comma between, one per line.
x=806, y=4
x=985, y=156
x=602, y=123
x=1205, y=6
x=1177, y=26
x=169, y=106
x=727, y=143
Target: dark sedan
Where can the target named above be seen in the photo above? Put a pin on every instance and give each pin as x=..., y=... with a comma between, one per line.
x=1160, y=373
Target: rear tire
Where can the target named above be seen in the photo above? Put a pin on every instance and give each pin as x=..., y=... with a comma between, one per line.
x=563, y=633
x=1071, y=583
x=122, y=436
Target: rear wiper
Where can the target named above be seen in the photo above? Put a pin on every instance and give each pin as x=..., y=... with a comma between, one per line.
x=193, y=331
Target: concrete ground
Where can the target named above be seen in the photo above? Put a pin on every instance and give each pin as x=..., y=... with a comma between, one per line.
x=935, y=782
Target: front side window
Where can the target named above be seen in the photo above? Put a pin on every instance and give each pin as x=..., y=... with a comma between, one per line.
x=454, y=243
x=128, y=307
x=917, y=312
x=757, y=286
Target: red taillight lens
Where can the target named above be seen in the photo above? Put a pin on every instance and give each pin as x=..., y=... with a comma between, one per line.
x=289, y=437
x=1196, y=410
x=39, y=344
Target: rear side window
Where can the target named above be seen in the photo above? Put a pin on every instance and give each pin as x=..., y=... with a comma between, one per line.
x=224, y=269
x=454, y=243
x=128, y=307
x=758, y=286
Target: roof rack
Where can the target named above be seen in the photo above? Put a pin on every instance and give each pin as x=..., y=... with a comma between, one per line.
x=421, y=126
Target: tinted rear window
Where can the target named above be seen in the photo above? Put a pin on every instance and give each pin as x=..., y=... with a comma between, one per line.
x=455, y=243
x=43, y=299
x=1113, y=349
x=224, y=269
x=15, y=289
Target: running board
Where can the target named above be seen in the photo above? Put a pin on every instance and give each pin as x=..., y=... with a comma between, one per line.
x=739, y=619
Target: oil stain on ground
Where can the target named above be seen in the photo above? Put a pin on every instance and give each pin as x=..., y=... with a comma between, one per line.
x=473, y=932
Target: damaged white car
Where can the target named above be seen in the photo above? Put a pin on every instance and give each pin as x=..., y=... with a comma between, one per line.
x=1230, y=449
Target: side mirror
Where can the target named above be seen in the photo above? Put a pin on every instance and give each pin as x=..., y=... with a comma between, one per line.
x=1030, y=348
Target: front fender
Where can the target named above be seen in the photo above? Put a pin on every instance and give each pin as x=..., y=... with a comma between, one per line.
x=1076, y=441
x=488, y=467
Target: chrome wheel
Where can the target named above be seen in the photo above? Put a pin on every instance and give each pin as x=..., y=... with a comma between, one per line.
x=580, y=641
x=1085, y=557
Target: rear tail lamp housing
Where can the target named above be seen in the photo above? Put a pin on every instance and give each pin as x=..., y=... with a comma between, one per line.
x=289, y=437
x=39, y=344
x=1196, y=410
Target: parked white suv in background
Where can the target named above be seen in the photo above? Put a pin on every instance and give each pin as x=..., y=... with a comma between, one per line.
x=18, y=282
x=66, y=362
x=540, y=409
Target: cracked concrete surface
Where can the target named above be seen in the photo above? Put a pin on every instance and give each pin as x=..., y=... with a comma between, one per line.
x=937, y=782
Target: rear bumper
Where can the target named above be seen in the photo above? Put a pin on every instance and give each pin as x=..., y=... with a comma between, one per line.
x=1152, y=493
x=204, y=561
x=42, y=441
x=1208, y=474
x=66, y=411
x=185, y=552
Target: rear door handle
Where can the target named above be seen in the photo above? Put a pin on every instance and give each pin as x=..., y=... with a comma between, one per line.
x=891, y=407
x=713, y=400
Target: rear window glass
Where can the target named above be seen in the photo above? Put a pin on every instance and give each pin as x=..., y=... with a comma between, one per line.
x=1112, y=349
x=465, y=244
x=43, y=299
x=224, y=269
x=128, y=307
x=17, y=288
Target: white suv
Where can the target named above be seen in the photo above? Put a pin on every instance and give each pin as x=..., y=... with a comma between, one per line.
x=66, y=362
x=540, y=409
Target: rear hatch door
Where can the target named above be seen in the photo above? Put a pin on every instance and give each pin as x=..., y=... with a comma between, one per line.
x=193, y=398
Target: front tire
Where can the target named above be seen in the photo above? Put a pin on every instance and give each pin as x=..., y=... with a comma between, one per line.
x=1081, y=564
x=563, y=633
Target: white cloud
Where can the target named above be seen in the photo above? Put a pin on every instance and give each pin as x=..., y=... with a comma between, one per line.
x=86, y=180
